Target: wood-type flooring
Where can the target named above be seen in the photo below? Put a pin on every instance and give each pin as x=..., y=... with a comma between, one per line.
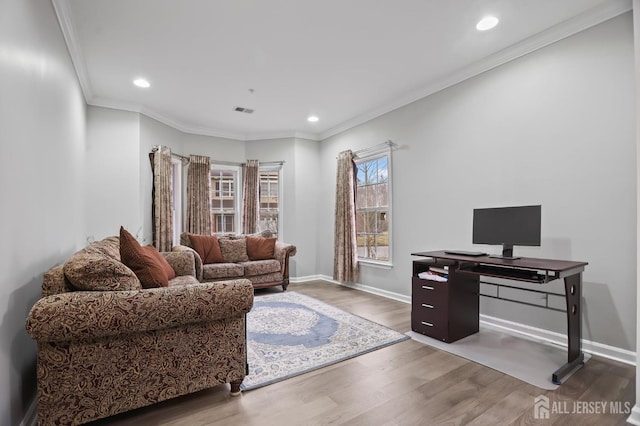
x=403, y=384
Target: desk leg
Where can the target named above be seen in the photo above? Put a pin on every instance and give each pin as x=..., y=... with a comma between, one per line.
x=575, y=357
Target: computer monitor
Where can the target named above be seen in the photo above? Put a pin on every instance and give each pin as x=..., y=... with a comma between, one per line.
x=508, y=226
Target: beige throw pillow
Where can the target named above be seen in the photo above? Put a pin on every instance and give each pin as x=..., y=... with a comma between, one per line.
x=233, y=251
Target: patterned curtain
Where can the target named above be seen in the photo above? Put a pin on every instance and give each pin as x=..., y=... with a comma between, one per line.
x=345, y=255
x=199, y=195
x=251, y=197
x=162, y=204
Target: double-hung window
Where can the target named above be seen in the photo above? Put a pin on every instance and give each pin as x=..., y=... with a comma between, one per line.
x=373, y=207
x=224, y=199
x=270, y=198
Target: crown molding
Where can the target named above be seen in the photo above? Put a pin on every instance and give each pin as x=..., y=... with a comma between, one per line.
x=65, y=19
x=603, y=12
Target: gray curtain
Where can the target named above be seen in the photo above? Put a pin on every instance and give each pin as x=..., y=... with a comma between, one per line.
x=199, y=195
x=251, y=197
x=162, y=192
x=345, y=255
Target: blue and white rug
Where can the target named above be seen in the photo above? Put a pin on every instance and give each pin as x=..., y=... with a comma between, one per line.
x=290, y=334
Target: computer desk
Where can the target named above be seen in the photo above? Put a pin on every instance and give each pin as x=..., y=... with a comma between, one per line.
x=525, y=269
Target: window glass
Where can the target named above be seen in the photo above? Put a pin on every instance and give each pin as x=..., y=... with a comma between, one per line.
x=224, y=204
x=372, y=208
x=270, y=199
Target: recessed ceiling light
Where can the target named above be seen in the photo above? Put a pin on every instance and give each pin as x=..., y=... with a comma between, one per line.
x=487, y=23
x=312, y=118
x=141, y=82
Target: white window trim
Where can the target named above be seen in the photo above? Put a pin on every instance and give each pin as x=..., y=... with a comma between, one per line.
x=385, y=264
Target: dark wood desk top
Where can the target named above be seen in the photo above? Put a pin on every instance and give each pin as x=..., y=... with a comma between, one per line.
x=520, y=263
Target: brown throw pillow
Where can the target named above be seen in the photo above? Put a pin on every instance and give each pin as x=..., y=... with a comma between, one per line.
x=234, y=251
x=260, y=248
x=168, y=269
x=207, y=247
x=141, y=261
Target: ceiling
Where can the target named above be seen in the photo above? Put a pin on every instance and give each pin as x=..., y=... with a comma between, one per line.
x=345, y=61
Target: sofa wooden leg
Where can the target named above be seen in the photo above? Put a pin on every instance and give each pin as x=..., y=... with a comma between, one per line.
x=235, y=387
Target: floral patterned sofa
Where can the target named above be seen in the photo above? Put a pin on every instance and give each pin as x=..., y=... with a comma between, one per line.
x=121, y=346
x=260, y=258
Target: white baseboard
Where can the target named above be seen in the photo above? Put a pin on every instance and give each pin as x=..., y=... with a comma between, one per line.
x=514, y=328
x=634, y=418
x=31, y=416
x=306, y=279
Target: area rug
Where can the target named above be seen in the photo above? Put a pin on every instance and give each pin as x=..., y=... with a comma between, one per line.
x=290, y=334
x=531, y=361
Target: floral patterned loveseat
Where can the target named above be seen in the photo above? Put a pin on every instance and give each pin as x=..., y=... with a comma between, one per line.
x=260, y=258
x=121, y=347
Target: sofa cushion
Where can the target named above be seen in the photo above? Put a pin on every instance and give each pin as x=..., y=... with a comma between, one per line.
x=97, y=267
x=207, y=247
x=234, y=250
x=222, y=270
x=260, y=267
x=260, y=248
x=183, y=280
x=142, y=261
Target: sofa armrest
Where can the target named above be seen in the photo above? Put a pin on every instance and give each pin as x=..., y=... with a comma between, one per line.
x=82, y=315
x=182, y=262
x=284, y=250
x=281, y=253
x=196, y=258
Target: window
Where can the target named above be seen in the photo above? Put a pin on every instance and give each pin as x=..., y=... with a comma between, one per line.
x=224, y=199
x=269, y=198
x=373, y=191
x=176, y=165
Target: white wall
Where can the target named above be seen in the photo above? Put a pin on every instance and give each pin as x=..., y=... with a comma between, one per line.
x=300, y=179
x=554, y=127
x=113, y=174
x=42, y=149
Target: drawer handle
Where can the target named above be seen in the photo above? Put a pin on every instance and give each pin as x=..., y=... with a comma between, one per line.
x=426, y=287
x=428, y=324
x=424, y=305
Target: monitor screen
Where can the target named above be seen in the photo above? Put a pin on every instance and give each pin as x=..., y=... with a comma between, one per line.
x=508, y=226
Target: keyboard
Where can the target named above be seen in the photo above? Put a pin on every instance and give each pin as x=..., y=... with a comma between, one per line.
x=466, y=253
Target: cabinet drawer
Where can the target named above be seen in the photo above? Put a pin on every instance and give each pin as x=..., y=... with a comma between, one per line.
x=428, y=291
x=435, y=328
x=429, y=310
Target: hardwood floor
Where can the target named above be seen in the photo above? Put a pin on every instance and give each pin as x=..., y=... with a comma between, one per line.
x=403, y=384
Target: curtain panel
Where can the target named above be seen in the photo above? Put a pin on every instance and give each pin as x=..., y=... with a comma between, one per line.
x=161, y=194
x=345, y=257
x=251, y=197
x=199, y=195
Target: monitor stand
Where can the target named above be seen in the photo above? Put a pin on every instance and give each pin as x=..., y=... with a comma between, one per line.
x=507, y=253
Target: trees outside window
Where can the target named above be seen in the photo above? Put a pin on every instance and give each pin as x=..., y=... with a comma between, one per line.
x=373, y=189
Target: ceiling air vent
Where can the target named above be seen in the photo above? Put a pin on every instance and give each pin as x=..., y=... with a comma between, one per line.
x=245, y=110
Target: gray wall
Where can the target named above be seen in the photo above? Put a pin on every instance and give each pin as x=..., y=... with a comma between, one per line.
x=554, y=127
x=42, y=151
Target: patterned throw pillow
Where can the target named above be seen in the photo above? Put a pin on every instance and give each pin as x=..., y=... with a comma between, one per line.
x=234, y=251
x=207, y=247
x=259, y=248
x=92, y=270
x=142, y=261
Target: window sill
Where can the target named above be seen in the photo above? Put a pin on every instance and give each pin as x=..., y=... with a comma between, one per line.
x=376, y=263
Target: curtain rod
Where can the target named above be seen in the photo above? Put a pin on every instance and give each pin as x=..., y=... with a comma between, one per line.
x=385, y=144
x=224, y=163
